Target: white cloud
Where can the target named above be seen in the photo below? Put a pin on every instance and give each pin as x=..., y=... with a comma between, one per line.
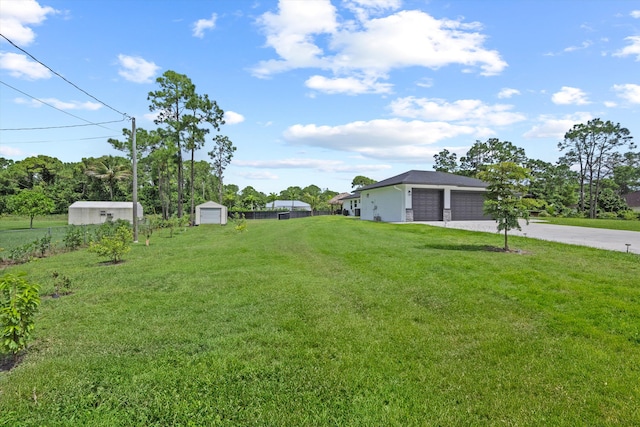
x=61, y=105
x=261, y=175
x=635, y=14
x=507, y=93
x=632, y=49
x=359, y=53
x=7, y=151
x=382, y=139
x=629, y=92
x=465, y=111
x=17, y=16
x=201, y=25
x=553, y=127
x=610, y=104
x=20, y=66
x=232, y=118
x=347, y=85
x=570, y=96
x=137, y=70
x=320, y=165
x=584, y=45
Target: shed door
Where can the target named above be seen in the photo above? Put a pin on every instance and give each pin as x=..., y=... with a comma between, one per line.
x=467, y=206
x=210, y=215
x=427, y=204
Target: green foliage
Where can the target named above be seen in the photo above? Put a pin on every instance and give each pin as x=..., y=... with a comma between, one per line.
x=360, y=181
x=61, y=284
x=73, y=238
x=113, y=246
x=19, y=301
x=507, y=183
x=239, y=222
x=31, y=203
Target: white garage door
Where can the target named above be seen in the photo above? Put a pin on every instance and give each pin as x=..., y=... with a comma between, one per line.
x=210, y=216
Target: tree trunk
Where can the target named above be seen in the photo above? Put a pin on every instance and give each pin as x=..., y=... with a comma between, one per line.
x=192, y=212
x=506, y=245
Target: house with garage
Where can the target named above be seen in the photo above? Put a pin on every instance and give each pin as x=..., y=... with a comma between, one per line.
x=423, y=196
x=87, y=212
x=211, y=213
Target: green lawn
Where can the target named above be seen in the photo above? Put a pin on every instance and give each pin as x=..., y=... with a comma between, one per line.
x=330, y=321
x=612, y=224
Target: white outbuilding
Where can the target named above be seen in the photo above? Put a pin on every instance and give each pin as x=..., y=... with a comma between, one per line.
x=211, y=213
x=81, y=213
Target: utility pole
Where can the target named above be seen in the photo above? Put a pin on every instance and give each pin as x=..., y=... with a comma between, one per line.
x=134, y=156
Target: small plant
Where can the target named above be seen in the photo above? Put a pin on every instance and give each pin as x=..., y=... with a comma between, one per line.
x=239, y=222
x=114, y=247
x=73, y=238
x=22, y=254
x=19, y=301
x=43, y=244
x=61, y=284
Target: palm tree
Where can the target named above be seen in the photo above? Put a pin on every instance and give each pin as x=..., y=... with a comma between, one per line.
x=109, y=170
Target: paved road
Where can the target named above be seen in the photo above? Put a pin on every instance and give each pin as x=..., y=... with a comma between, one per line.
x=613, y=240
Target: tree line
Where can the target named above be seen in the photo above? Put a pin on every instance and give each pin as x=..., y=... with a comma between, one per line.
x=597, y=167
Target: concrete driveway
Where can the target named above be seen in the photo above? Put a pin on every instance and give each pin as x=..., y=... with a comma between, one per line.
x=613, y=240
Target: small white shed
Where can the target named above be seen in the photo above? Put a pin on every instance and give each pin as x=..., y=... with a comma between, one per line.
x=211, y=213
x=99, y=212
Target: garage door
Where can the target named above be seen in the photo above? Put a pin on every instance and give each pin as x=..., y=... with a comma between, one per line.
x=467, y=206
x=210, y=215
x=427, y=204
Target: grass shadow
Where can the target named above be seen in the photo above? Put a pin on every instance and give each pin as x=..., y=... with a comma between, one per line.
x=467, y=248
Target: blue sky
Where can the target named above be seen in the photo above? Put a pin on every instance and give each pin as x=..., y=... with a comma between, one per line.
x=319, y=91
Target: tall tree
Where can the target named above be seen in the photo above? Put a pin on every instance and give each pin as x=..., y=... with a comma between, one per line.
x=360, y=181
x=503, y=200
x=203, y=111
x=221, y=155
x=184, y=112
x=491, y=152
x=445, y=161
x=591, y=146
x=110, y=170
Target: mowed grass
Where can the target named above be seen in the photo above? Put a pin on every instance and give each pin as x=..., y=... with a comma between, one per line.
x=611, y=224
x=333, y=321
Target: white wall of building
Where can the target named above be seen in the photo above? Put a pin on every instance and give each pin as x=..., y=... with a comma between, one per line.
x=387, y=203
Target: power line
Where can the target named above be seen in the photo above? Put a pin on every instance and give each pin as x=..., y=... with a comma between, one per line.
x=63, y=78
x=90, y=123
x=62, y=140
x=65, y=127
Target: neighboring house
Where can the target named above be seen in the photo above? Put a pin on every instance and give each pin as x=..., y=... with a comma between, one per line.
x=423, y=196
x=633, y=200
x=295, y=205
x=211, y=213
x=81, y=213
x=351, y=204
x=336, y=202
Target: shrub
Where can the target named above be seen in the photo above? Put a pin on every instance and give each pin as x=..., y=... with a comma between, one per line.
x=239, y=222
x=61, y=284
x=19, y=301
x=629, y=215
x=43, y=244
x=114, y=247
x=73, y=238
x=608, y=215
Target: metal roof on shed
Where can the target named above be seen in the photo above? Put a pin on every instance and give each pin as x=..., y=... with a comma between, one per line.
x=102, y=205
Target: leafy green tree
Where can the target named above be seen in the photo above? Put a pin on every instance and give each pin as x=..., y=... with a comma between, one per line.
x=507, y=183
x=111, y=170
x=31, y=203
x=314, y=200
x=626, y=171
x=491, y=152
x=221, y=156
x=271, y=198
x=553, y=185
x=591, y=146
x=186, y=116
x=360, y=181
x=446, y=161
x=115, y=246
x=19, y=301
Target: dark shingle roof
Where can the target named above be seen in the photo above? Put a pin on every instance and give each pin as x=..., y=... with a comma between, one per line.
x=428, y=178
